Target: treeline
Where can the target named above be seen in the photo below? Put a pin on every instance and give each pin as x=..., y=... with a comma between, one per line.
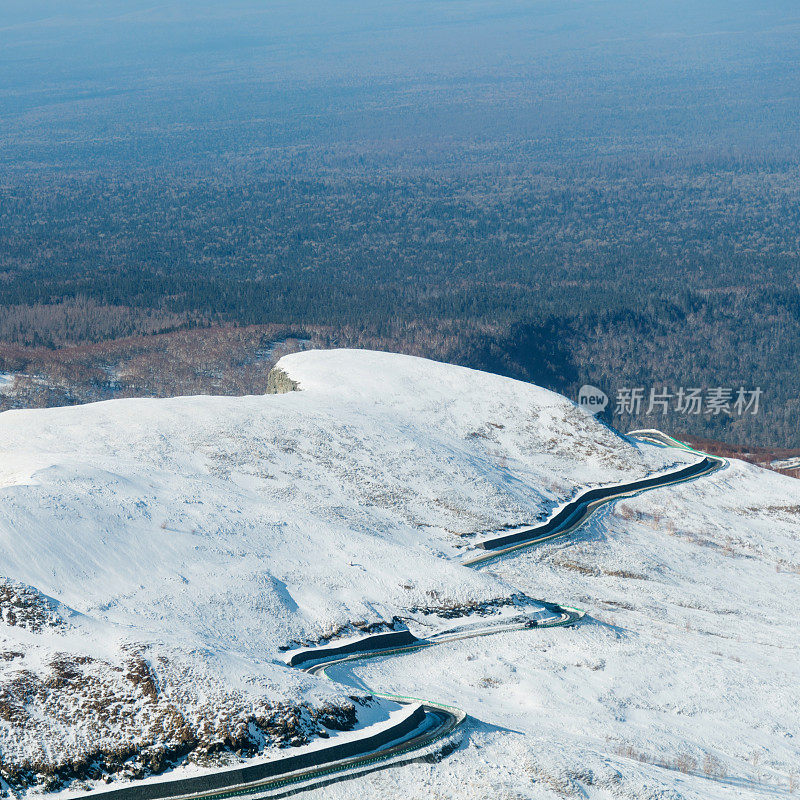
x=80, y=319
x=671, y=273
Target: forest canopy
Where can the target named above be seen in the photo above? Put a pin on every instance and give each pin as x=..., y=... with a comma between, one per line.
x=592, y=193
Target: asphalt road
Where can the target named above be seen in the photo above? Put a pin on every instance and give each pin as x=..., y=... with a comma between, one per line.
x=574, y=514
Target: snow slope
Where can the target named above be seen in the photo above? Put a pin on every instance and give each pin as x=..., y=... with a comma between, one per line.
x=183, y=542
x=683, y=684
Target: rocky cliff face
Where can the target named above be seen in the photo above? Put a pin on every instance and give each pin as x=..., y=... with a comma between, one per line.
x=278, y=382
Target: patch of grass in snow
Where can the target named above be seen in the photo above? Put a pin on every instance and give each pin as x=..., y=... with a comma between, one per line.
x=447, y=608
x=25, y=607
x=561, y=560
x=135, y=719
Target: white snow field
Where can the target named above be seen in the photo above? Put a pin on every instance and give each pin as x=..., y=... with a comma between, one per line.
x=684, y=682
x=159, y=553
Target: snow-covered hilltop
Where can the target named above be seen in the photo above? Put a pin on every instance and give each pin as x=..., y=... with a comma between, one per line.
x=158, y=554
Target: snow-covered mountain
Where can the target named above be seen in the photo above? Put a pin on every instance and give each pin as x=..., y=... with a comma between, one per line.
x=158, y=555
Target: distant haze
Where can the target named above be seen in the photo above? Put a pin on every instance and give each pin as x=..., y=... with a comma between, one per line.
x=121, y=73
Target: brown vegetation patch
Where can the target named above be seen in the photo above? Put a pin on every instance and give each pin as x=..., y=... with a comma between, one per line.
x=126, y=726
x=760, y=456
x=25, y=607
x=706, y=764
x=594, y=571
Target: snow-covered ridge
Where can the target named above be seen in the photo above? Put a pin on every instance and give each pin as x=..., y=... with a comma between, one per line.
x=190, y=538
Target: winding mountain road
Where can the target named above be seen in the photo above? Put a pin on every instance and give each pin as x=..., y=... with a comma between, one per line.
x=574, y=513
x=427, y=724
